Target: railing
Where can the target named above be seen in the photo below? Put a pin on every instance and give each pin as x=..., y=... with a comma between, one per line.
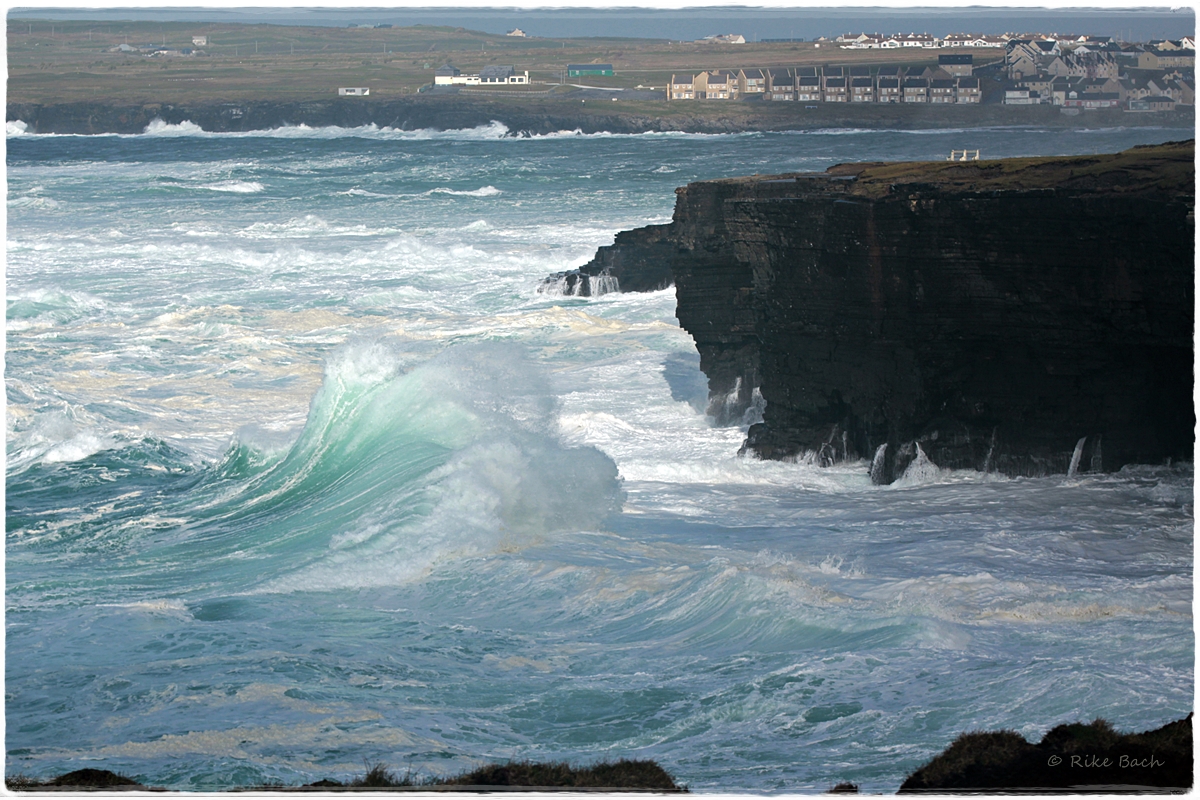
x=963, y=155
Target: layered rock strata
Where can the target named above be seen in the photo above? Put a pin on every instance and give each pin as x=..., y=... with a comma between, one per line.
x=1024, y=316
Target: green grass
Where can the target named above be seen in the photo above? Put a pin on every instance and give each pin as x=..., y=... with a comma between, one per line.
x=59, y=62
x=1167, y=168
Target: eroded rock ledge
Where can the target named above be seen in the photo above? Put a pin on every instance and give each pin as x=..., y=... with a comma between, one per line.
x=1025, y=316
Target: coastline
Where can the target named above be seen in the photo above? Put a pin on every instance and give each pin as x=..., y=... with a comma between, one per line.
x=539, y=116
x=964, y=338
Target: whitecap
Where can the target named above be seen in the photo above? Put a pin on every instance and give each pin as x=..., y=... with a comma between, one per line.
x=158, y=127
x=485, y=191
x=356, y=192
x=33, y=202
x=236, y=187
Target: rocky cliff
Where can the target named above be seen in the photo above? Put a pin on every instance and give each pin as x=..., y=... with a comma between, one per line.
x=636, y=261
x=1025, y=316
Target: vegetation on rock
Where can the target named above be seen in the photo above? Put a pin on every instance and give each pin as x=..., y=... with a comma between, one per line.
x=1091, y=757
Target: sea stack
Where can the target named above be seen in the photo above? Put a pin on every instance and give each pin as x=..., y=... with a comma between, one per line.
x=1025, y=316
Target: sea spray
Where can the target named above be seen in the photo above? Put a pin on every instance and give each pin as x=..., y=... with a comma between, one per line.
x=400, y=465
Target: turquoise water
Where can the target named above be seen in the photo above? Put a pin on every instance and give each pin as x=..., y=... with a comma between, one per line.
x=303, y=470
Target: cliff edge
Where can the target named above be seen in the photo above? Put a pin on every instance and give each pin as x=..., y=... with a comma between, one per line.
x=1025, y=316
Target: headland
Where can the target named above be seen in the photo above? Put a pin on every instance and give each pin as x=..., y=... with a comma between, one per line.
x=1024, y=316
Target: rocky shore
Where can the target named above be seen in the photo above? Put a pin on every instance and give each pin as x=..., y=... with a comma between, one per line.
x=586, y=111
x=1024, y=316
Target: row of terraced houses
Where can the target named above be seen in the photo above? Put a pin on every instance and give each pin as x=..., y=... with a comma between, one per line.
x=951, y=82
x=1106, y=74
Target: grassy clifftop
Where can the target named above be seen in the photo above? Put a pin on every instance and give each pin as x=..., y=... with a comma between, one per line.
x=1166, y=169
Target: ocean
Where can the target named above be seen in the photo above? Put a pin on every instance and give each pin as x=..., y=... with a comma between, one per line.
x=304, y=472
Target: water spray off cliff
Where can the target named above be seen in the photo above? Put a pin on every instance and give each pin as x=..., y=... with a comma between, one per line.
x=303, y=468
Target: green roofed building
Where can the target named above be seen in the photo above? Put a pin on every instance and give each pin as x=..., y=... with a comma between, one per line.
x=575, y=70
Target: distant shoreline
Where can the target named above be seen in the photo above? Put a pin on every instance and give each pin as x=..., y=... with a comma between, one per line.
x=587, y=114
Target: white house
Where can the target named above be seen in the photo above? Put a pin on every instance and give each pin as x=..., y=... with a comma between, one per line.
x=200, y=41
x=449, y=75
x=492, y=75
x=354, y=92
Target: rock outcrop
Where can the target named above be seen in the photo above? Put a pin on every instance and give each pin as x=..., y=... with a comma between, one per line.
x=1075, y=759
x=1025, y=316
x=637, y=261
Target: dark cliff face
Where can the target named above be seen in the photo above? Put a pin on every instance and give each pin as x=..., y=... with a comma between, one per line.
x=1024, y=317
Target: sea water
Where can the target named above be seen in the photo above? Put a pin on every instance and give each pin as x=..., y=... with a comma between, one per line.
x=304, y=472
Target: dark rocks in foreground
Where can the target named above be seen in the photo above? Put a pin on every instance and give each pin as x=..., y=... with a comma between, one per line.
x=88, y=778
x=1024, y=316
x=622, y=775
x=1078, y=758
x=527, y=775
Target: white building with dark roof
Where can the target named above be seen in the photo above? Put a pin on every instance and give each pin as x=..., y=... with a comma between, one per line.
x=496, y=74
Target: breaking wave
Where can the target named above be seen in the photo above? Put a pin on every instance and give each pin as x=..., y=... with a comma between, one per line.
x=400, y=466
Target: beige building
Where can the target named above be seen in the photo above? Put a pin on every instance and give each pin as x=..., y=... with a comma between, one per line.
x=752, y=81
x=681, y=87
x=719, y=84
x=968, y=91
x=862, y=90
x=916, y=90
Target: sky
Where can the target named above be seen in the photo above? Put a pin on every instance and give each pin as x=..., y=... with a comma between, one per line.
x=601, y=19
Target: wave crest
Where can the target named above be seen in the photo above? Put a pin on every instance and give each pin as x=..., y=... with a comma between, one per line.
x=401, y=465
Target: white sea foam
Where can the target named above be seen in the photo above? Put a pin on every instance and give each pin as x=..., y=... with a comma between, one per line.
x=486, y=191
x=16, y=127
x=440, y=514
x=235, y=187
x=169, y=608
x=33, y=202
x=158, y=127
x=920, y=471
x=57, y=437
x=356, y=192
x=493, y=131
x=502, y=486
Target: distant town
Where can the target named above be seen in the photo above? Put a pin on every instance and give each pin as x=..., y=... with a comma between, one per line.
x=1074, y=72
x=764, y=80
